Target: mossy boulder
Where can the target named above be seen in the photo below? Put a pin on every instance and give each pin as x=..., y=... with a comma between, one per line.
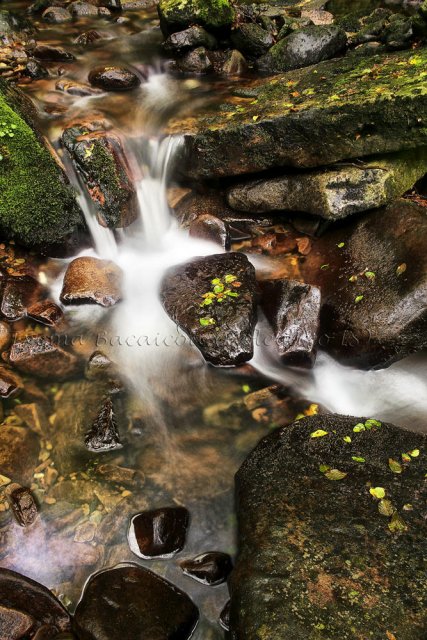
x=176, y=15
x=332, y=533
x=37, y=207
x=333, y=111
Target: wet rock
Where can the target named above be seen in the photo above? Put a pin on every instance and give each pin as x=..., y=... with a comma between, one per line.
x=88, y=37
x=320, y=542
x=83, y=9
x=10, y=383
x=114, y=79
x=196, y=61
x=46, y=312
x=52, y=54
x=251, y=39
x=235, y=64
x=18, y=593
x=335, y=192
x=34, y=416
x=224, y=618
x=101, y=161
x=305, y=47
x=40, y=355
x=189, y=39
x=35, y=70
x=18, y=293
x=76, y=88
x=120, y=475
x=160, y=533
x=5, y=335
x=323, y=127
x=56, y=15
x=14, y=625
x=19, y=450
x=23, y=505
x=372, y=273
x=210, y=568
x=223, y=328
x=129, y=602
x=399, y=33
x=212, y=14
x=104, y=435
x=98, y=366
x=293, y=311
x=92, y=281
x=210, y=228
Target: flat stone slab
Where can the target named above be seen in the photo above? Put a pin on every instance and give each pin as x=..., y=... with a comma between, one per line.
x=333, y=111
x=332, y=534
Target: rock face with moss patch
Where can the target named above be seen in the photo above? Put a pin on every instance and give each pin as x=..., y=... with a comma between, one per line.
x=36, y=206
x=213, y=299
x=335, y=192
x=331, y=537
x=176, y=15
x=336, y=110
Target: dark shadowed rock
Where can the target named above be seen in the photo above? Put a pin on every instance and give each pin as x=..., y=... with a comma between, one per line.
x=114, y=79
x=224, y=618
x=56, y=15
x=19, y=450
x=88, y=37
x=373, y=276
x=235, y=64
x=41, y=356
x=223, y=328
x=18, y=293
x=190, y=38
x=210, y=568
x=210, y=228
x=18, y=593
x=101, y=162
x=251, y=39
x=160, y=533
x=46, y=312
x=293, y=311
x=104, y=435
x=10, y=383
x=308, y=119
x=92, y=281
x=196, y=61
x=35, y=70
x=52, y=54
x=14, y=624
x=23, y=505
x=305, y=47
x=331, y=523
x=130, y=602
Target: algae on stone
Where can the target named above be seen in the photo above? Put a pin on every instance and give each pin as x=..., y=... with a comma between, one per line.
x=179, y=14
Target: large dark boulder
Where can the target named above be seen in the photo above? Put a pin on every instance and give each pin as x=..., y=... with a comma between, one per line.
x=339, y=109
x=130, y=602
x=332, y=534
x=213, y=299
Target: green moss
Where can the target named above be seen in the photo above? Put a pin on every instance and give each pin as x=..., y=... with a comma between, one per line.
x=214, y=14
x=35, y=205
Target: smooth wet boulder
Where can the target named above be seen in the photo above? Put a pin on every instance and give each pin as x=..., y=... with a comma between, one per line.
x=35, y=602
x=213, y=299
x=338, y=110
x=176, y=15
x=43, y=357
x=130, y=602
x=111, y=78
x=334, y=192
x=212, y=229
x=372, y=272
x=100, y=160
x=251, y=39
x=331, y=533
x=92, y=281
x=211, y=568
x=304, y=47
x=36, y=207
x=190, y=38
x=160, y=533
x=293, y=311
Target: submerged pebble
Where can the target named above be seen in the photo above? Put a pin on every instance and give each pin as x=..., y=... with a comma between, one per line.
x=210, y=568
x=160, y=533
x=112, y=78
x=23, y=505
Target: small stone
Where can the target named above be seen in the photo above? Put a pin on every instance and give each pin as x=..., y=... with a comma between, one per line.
x=52, y=54
x=160, y=533
x=19, y=450
x=88, y=37
x=23, y=505
x=76, y=88
x=34, y=417
x=56, y=15
x=35, y=70
x=212, y=229
x=224, y=618
x=85, y=532
x=196, y=61
x=92, y=281
x=252, y=40
x=10, y=383
x=83, y=9
x=104, y=435
x=18, y=293
x=46, y=312
x=114, y=78
x=210, y=568
x=191, y=38
x=5, y=335
x=40, y=355
x=98, y=365
x=235, y=64
x=120, y=475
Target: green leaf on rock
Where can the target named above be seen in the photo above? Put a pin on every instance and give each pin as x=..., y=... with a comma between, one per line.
x=358, y=459
x=340, y=245
x=335, y=474
x=394, y=465
x=206, y=322
x=358, y=299
x=414, y=453
x=347, y=439
x=406, y=457
x=318, y=434
x=372, y=423
x=397, y=523
x=377, y=492
x=323, y=468
x=359, y=427
x=370, y=275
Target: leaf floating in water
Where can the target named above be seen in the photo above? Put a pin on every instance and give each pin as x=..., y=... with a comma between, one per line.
x=397, y=523
x=401, y=269
x=359, y=427
x=347, y=439
x=335, y=474
x=318, y=434
x=385, y=507
x=414, y=453
x=377, y=492
x=358, y=459
x=394, y=465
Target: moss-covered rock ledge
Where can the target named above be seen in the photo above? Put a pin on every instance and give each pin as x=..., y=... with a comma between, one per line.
x=36, y=205
x=336, y=110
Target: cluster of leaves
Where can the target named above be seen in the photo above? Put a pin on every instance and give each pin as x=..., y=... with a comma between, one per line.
x=8, y=131
x=221, y=291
